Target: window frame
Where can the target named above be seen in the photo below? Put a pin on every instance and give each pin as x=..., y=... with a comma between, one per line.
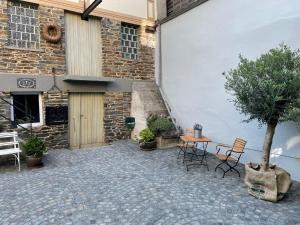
x=136, y=27
x=28, y=125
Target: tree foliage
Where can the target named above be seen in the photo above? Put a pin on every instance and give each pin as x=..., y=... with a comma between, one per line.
x=267, y=89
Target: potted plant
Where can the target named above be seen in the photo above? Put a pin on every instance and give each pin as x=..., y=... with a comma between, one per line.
x=147, y=140
x=197, y=130
x=164, y=130
x=34, y=149
x=267, y=90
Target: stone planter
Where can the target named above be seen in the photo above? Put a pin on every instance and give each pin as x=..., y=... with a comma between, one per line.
x=148, y=146
x=32, y=161
x=270, y=185
x=166, y=142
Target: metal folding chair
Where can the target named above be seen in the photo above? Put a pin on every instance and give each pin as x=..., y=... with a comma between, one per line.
x=231, y=157
x=184, y=147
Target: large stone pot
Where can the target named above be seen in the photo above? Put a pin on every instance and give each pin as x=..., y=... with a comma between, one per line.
x=270, y=185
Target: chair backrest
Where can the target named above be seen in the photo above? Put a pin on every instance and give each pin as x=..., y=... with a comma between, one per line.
x=239, y=145
x=9, y=140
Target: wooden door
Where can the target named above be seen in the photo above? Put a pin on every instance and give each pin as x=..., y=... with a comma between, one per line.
x=83, y=46
x=86, y=120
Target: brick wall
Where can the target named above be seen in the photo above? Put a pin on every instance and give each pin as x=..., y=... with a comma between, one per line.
x=24, y=57
x=116, y=109
x=114, y=65
x=42, y=56
x=117, y=105
x=40, y=59
x=55, y=136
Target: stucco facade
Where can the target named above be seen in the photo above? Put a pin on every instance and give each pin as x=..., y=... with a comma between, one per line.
x=199, y=45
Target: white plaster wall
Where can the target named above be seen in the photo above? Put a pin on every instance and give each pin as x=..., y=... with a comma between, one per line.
x=202, y=43
x=131, y=7
x=136, y=8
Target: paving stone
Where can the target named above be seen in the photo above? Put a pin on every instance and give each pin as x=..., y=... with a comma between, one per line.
x=119, y=184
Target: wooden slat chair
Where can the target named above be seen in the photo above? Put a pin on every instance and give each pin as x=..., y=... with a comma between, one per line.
x=183, y=147
x=9, y=145
x=232, y=155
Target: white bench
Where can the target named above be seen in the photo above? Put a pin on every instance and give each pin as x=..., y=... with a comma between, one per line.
x=9, y=145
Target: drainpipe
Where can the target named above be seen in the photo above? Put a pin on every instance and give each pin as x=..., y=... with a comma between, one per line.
x=87, y=12
x=159, y=57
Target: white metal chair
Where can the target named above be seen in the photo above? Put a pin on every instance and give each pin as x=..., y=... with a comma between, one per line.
x=9, y=145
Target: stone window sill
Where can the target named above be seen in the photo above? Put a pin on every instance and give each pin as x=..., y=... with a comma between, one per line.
x=25, y=49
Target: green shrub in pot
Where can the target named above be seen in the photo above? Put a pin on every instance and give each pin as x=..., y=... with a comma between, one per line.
x=34, y=149
x=160, y=125
x=147, y=139
x=146, y=135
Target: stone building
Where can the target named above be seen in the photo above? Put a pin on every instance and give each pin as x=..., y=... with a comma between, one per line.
x=74, y=91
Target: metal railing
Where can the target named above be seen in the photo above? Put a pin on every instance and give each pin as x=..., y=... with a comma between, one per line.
x=15, y=123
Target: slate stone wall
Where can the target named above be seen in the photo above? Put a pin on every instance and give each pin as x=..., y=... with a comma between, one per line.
x=33, y=55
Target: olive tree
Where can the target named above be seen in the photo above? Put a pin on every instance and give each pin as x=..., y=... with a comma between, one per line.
x=268, y=90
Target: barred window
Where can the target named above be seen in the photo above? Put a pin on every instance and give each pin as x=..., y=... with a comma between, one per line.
x=129, y=41
x=23, y=26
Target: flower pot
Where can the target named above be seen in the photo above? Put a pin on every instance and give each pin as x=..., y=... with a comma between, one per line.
x=33, y=161
x=270, y=185
x=148, y=146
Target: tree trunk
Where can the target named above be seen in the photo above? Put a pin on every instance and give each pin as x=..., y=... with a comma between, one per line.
x=268, y=144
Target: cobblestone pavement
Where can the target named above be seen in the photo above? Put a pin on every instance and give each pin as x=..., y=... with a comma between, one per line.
x=119, y=184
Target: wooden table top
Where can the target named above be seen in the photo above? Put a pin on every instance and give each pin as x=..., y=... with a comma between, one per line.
x=189, y=138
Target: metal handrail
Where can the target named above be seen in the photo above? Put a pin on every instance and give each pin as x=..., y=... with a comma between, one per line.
x=24, y=128
x=15, y=122
x=30, y=116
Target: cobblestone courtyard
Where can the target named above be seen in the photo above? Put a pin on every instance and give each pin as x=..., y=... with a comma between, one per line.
x=119, y=184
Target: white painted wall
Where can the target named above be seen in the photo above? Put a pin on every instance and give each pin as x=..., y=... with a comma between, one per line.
x=131, y=7
x=136, y=8
x=199, y=45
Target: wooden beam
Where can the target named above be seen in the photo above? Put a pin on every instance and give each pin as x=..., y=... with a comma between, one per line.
x=90, y=9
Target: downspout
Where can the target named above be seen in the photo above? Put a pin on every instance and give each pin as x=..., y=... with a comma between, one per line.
x=159, y=57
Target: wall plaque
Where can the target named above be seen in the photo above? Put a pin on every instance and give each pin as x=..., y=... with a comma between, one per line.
x=26, y=83
x=56, y=115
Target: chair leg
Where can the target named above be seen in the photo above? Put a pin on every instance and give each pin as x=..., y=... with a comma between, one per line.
x=19, y=162
x=218, y=166
x=225, y=171
x=180, y=150
x=238, y=172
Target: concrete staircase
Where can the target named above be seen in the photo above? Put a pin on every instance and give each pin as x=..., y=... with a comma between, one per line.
x=146, y=100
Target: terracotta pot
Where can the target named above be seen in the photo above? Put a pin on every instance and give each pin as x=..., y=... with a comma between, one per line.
x=32, y=161
x=148, y=146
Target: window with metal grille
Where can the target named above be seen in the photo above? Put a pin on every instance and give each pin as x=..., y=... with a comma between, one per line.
x=129, y=41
